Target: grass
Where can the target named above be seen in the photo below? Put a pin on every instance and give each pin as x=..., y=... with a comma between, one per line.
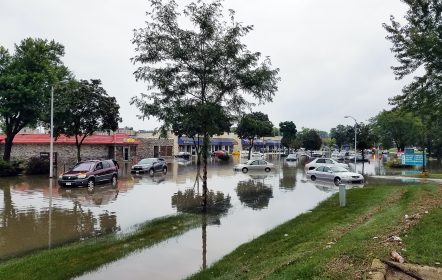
x=426, y=175
x=73, y=260
x=340, y=243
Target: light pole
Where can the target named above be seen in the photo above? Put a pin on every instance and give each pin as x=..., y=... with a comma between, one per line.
x=356, y=123
x=51, y=143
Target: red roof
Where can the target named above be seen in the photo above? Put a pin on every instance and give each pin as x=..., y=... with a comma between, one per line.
x=119, y=138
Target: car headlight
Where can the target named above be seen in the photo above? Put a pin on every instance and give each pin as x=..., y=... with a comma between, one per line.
x=81, y=176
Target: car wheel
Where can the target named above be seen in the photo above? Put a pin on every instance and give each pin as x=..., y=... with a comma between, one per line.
x=313, y=178
x=267, y=169
x=114, y=180
x=244, y=170
x=151, y=172
x=90, y=184
x=165, y=170
x=337, y=181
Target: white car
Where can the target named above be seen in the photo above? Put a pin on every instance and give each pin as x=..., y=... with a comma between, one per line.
x=324, y=162
x=336, y=174
x=292, y=157
x=254, y=164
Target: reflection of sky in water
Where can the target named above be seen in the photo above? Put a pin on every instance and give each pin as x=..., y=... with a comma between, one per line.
x=182, y=255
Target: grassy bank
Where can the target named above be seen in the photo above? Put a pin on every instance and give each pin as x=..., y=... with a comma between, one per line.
x=340, y=243
x=73, y=260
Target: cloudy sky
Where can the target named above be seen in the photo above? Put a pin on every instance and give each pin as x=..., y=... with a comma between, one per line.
x=333, y=57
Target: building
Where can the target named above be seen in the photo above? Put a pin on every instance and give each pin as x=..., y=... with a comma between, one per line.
x=121, y=147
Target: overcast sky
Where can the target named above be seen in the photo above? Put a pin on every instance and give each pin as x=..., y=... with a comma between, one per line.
x=333, y=57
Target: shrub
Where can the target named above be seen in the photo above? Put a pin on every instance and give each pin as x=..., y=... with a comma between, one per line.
x=37, y=165
x=224, y=157
x=10, y=168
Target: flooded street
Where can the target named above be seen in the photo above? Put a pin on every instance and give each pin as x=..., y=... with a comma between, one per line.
x=34, y=215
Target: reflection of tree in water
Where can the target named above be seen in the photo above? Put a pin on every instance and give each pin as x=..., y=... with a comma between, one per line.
x=254, y=194
x=288, y=180
x=190, y=202
x=26, y=230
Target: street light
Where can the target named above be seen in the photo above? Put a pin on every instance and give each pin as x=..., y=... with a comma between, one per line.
x=51, y=143
x=356, y=123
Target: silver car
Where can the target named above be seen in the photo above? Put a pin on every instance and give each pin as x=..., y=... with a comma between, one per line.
x=254, y=164
x=150, y=165
x=336, y=174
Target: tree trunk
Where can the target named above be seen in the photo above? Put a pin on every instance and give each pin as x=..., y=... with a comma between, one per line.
x=204, y=237
x=205, y=156
x=250, y=148
x=8, y=148
x=78, y=152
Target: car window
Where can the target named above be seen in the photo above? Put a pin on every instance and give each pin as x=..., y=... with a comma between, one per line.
x=326, y=169
x=263, y=162
x=320, y=169
x=99, y=166
x=106, y=164
x=83, y=166
x=320, y=161
x=146, y=161
x=255, y=162
x=329, y=161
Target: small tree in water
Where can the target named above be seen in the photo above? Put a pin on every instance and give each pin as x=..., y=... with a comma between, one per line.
x=205, y=66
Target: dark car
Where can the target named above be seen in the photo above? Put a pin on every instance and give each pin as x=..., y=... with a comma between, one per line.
x=150, y=165
x=88, y=173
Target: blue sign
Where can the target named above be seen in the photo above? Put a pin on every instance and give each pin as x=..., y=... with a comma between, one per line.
x=413, y=159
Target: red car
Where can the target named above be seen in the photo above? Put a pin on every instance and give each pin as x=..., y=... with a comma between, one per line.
x=219, y=153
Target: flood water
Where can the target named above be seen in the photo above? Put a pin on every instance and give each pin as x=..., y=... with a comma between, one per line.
x=35, y=215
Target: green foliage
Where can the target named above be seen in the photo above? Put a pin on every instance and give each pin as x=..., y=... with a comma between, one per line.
x=254, y=194
x=288, y=130
x=26, y=77
x=397, y=127
x=309, y=139
x=198, y=68
x=342, y=134
x=37, y=165
x=10, y=168
x=254, y=125
x=83, y=107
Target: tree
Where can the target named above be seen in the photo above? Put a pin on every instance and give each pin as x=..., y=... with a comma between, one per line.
x=342, y=134
x=398, y=128
x=252, y=126
x=82, y=108
x=288, y=130
x=310, y=139
x=418, y=45
x=26, y=77
x=202, y=65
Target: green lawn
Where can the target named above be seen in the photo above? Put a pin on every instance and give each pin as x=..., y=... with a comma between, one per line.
x=75, y=259
x=340, y=243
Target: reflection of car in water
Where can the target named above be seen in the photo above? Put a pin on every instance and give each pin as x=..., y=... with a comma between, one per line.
x=149, y=180
x=332, y=188
x=96, y=196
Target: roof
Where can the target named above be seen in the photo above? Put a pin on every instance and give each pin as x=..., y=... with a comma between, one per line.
x=119, y=139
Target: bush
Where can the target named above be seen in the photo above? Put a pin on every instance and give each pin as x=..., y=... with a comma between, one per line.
x=37, y=165
x=224, y=157
x=10, y=168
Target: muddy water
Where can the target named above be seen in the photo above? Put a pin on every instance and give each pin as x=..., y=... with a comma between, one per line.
x=38, y=214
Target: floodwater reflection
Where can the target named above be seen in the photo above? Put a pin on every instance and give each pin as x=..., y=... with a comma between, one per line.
x=254, y=193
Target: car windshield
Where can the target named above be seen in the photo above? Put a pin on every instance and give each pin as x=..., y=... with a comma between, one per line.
x=250, y=162
x=147, y=161
x=338, y=169
x=84, y=166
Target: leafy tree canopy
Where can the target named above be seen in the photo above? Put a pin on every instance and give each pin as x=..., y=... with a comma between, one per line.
x=342, y=134
x=288, y=130
x=254, y=125
x=26, y=77
x=310, y=139
x=82, y=108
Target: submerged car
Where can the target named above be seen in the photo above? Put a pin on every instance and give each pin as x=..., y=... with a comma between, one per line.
x=88, y=173
x=324, y=162
x=336, y=174
x=150, y=165
x=292, y=157
x=254, y=164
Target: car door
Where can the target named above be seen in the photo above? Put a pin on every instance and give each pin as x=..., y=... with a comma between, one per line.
x=318, y=172
x=327, y=173
x=254, y=165
x=99, y=172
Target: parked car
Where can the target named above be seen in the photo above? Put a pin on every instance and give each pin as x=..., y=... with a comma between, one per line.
x=292, y=157
x=150, y=165
x=256, y=155
x=183, y=155
x=219, y=153
x=88, y=173
x=254, y=164
x=324, y=162
x=336, y=174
